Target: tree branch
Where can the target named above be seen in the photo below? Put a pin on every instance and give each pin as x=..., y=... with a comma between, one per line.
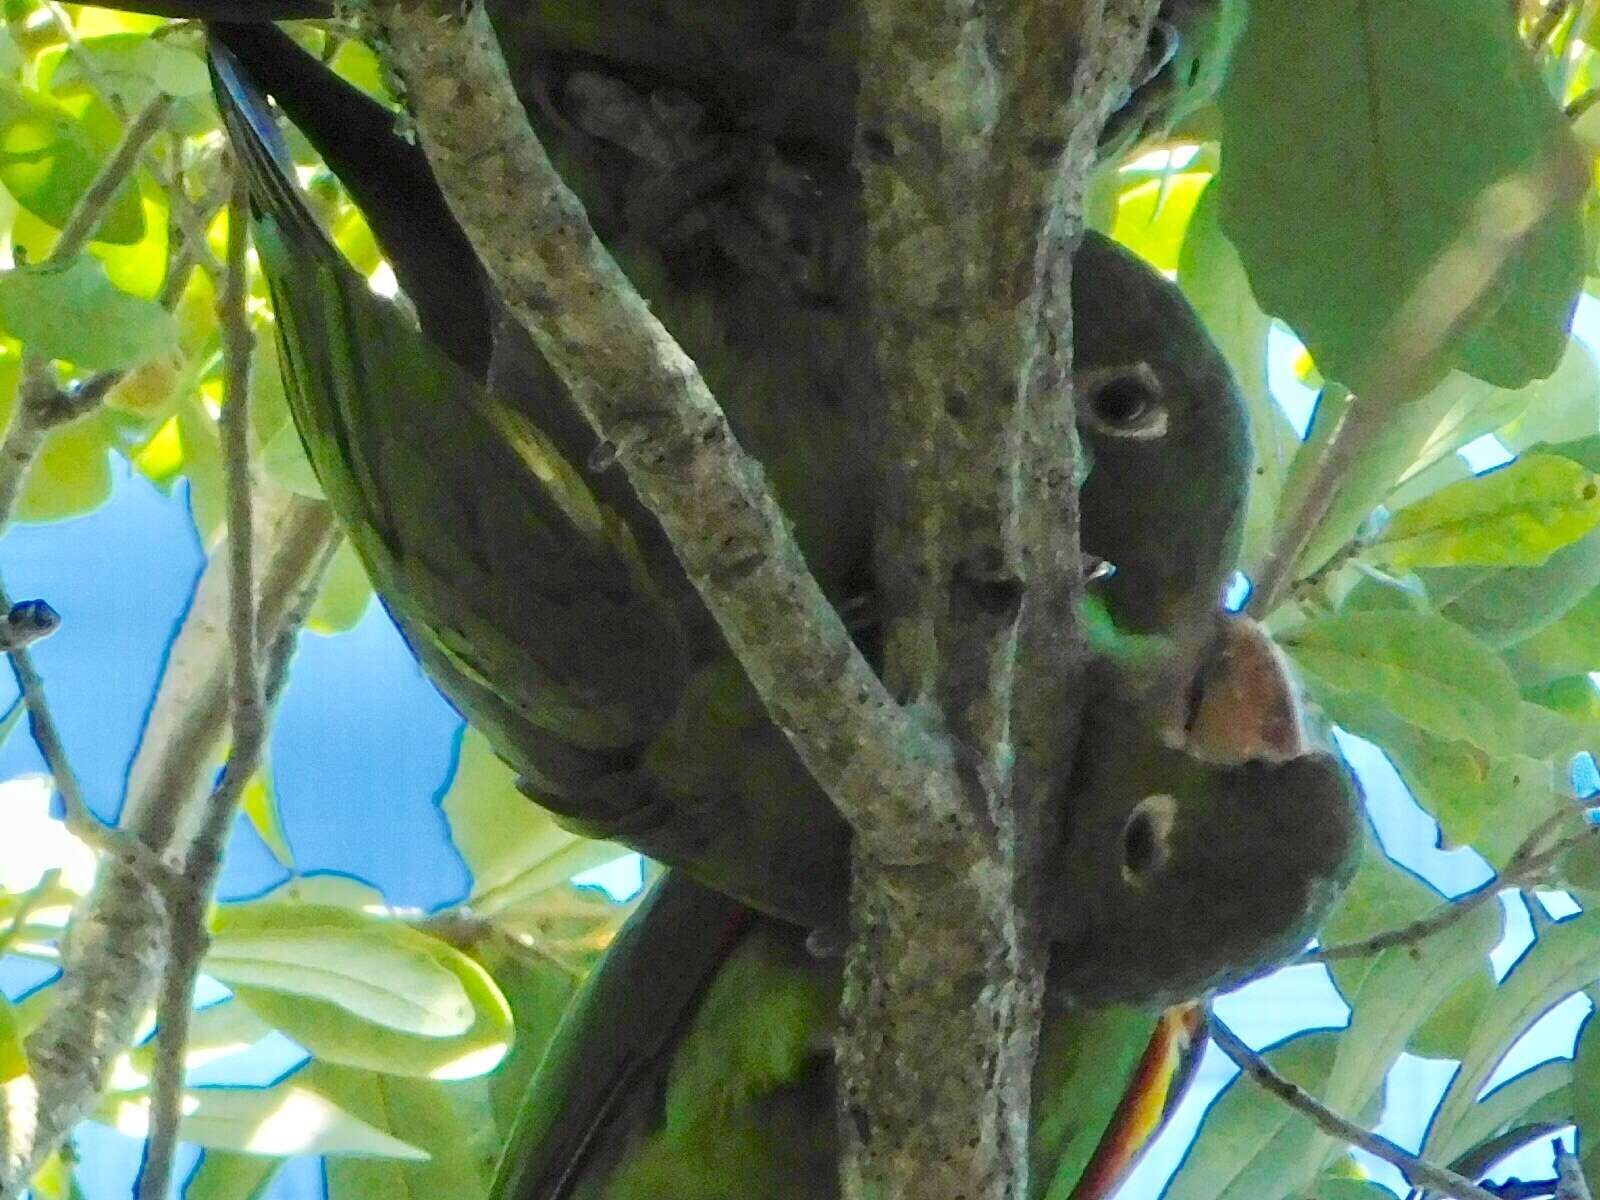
x=1416, y=1170
x=972, y=209
x=113, y=958
x=188, y=903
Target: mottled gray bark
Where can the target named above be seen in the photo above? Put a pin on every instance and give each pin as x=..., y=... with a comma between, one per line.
x=974, y=153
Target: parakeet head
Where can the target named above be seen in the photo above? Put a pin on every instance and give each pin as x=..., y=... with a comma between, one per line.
x=1164, y=432
x=1181, y=875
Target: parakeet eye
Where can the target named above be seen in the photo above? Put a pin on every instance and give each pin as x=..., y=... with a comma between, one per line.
x=1146, y=838
x=1123, y=402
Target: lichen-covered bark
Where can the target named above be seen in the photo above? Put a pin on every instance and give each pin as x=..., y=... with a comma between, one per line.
x=974, y=151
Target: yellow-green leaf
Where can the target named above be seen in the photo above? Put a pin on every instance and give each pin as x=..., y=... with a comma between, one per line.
x=72, y=474
x=48, y=157
x=346, y=591
x=1517, y=516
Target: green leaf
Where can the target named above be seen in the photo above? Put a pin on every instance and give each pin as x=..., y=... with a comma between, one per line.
x=1428, y=671
x=1351, y=1189
x=336, y=1033
x=377, y=969
x=1570, y=646
x=1212, y=277
x=13, y=1058
x=346, y=593
x=12, y=718
x=215, y=1031
x=1517, y=516
x=201, y=444
x=227, y=1175
x=48, y=158
x=1340, y=210
x=1537, y=1095
x=281, y=1120
x=1586, y=1092
x=1565, y=958
x=1248, y=1136
x=423, y=1113
x=130, y=66
x=514, y=848
x=1444, y=1034
x=72, y=474
x=1254, y=1147
x=538, y=991
x=1490, y=802
x=74, y=312
x=1505, y=605
x=260, y=805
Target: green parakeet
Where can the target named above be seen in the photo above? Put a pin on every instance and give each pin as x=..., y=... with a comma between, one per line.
x=697, y=1061
x=541, y=598
x=697, y=1064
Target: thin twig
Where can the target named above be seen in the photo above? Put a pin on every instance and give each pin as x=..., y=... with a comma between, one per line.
x=114, y=173
x=80, y=818
x=1570, y=1181
x=1547, y=22
x=187, y=907
x=1416, y=1170
x=1525, y=866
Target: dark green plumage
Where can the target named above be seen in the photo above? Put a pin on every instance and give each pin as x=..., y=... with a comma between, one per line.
x=728, y=1091
x=485, y=519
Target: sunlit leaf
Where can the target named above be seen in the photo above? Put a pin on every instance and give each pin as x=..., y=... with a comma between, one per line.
x=260, y=805
x=283, y=1119
x=1518, y=515
x=421, y=1112
x=48, y=158
x=513, y=847
x=72, y=474
x=346, y=591
x=358, y=1027
x=377, y=969
x=1152, y=216
x=229, y=1175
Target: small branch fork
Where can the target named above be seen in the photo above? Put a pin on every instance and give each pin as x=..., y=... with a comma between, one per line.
x=1526, y=867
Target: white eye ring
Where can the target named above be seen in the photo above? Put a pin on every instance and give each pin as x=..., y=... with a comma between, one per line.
x=1146, y=419
x=1147, y=838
